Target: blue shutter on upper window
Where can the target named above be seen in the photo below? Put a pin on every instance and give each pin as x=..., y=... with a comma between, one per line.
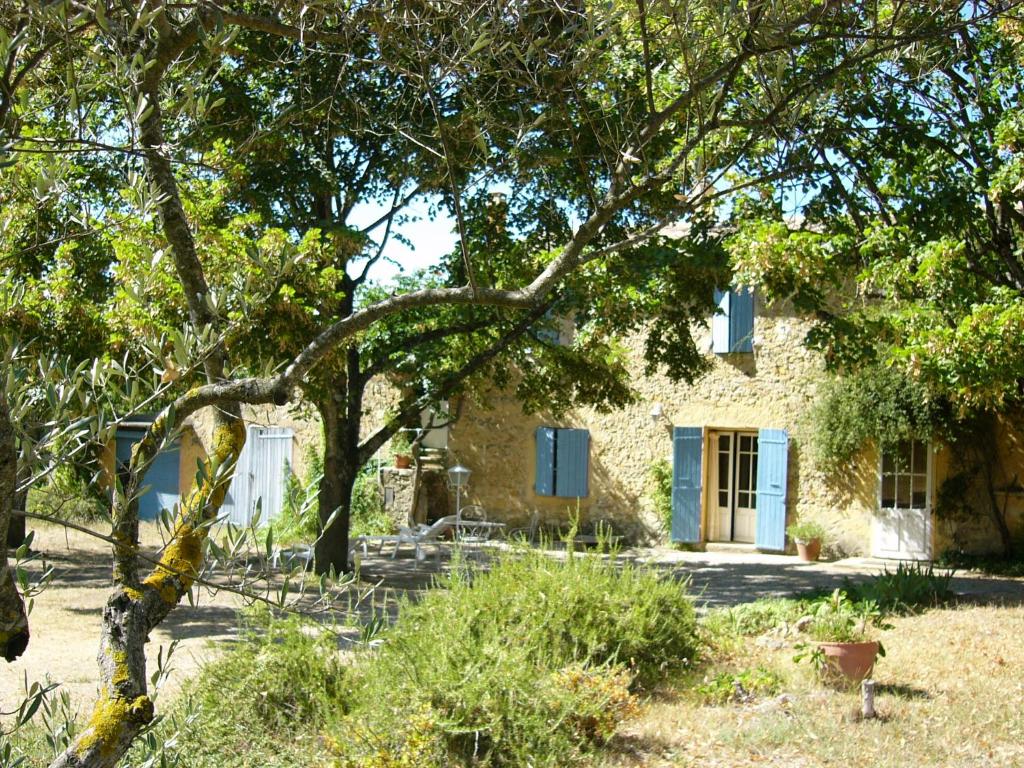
x=572, y=460
x=772, y=467
x=687, y=447
x=741, y=321
x=720, y=324
x=732, y=326
x=545, y=483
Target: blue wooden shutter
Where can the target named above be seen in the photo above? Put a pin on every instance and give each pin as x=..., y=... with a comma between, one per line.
x=161, y=479
x=772, y=460
x=741, y=321
x=572, y=447
x=720, y=324
x=687, y=447
x=545, y=483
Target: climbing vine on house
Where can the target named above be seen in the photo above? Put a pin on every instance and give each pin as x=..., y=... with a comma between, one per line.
x=874, y=405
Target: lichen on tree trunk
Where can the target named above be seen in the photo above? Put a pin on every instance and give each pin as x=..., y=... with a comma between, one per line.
x=135, y=609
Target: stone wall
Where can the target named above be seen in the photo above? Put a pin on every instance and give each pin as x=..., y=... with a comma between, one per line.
x=773, y=387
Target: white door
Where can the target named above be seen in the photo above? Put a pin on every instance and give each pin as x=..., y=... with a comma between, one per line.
x=902, y=528
x=259, y=478
x=735, y=486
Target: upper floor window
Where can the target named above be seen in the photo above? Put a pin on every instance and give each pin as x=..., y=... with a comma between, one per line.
x=732, y=327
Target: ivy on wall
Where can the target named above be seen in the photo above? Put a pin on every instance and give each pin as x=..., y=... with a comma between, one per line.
x=874, y=405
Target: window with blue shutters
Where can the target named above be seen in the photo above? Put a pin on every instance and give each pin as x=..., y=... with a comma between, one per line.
x=563, y=462
x=732, y=327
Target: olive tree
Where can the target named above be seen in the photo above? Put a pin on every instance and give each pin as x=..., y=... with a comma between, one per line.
x=624, y=117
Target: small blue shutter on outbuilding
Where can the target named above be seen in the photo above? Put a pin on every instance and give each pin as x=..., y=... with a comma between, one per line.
x=161, y=477
x=572, y=458
x=687, y=447
x=741, y=321
x=545, y=483
x=772, y=461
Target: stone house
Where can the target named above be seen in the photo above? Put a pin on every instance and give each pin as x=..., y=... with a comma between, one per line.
x=738, y=444
x=737, y=441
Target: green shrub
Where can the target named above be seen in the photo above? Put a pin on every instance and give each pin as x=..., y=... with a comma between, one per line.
x=69, y=497
x=876, y=404
x=298, y=521
x=911, y=587
x=751, y=619
x=515, y=666
x=283, y=671
x=262, y=702
x=369, y=518
x=300, y=512
x=736, y=687
x=996, y=565
x=660, y=491
x=807, y=531
x=839, y=619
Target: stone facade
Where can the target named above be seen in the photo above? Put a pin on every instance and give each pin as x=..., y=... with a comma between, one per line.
x=773, y=387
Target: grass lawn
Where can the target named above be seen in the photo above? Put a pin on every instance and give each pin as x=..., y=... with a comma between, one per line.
x=950, y=694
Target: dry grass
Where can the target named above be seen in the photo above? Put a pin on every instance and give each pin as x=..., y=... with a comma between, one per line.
x=951, y=691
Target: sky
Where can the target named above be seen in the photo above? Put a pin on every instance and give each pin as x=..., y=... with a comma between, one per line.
x=431, y=239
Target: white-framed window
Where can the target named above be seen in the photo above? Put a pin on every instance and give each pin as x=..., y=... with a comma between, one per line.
x=905, y=476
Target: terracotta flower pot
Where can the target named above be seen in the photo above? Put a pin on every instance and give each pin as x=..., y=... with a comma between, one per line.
x=808, y=550
x=852, y=661
x=403, y=461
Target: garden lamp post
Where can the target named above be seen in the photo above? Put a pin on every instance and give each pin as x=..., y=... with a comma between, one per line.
x=458, y=476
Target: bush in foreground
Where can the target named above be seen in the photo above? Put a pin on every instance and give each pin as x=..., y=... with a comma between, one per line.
x=531, y=663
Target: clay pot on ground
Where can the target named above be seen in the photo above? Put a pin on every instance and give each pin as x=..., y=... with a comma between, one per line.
x=808, y=550
x=402, y=461
x=849, y=661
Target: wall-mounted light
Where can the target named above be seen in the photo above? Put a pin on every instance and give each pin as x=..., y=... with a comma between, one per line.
x=658, y=415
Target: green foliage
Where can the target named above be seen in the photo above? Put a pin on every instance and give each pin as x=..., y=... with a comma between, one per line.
x=577, y=624
x=659, y=491
x=756, y=618
x=910, y=588
x=401, y=445
x=368, y=516
x=738, y=687
x=299, y=518
x=994, y=565
x=263, y=701
x=807, y=531
x=875, y=404
x=285, y=671
x=839, y=619
x=68, y=497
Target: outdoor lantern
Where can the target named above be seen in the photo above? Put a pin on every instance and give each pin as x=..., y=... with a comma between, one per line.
x=458, y=475
x=657, y=411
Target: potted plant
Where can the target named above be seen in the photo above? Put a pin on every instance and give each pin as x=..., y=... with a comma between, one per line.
x=845, y=638
x=401, y=447
x=808, y=537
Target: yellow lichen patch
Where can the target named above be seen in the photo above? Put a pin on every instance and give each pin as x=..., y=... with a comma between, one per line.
x=111, y=718
x=121, y=672
x=133, y=594
x=181, y=559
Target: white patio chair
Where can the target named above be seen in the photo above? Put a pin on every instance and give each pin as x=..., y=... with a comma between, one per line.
x=527, y=533
x=425, y=534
